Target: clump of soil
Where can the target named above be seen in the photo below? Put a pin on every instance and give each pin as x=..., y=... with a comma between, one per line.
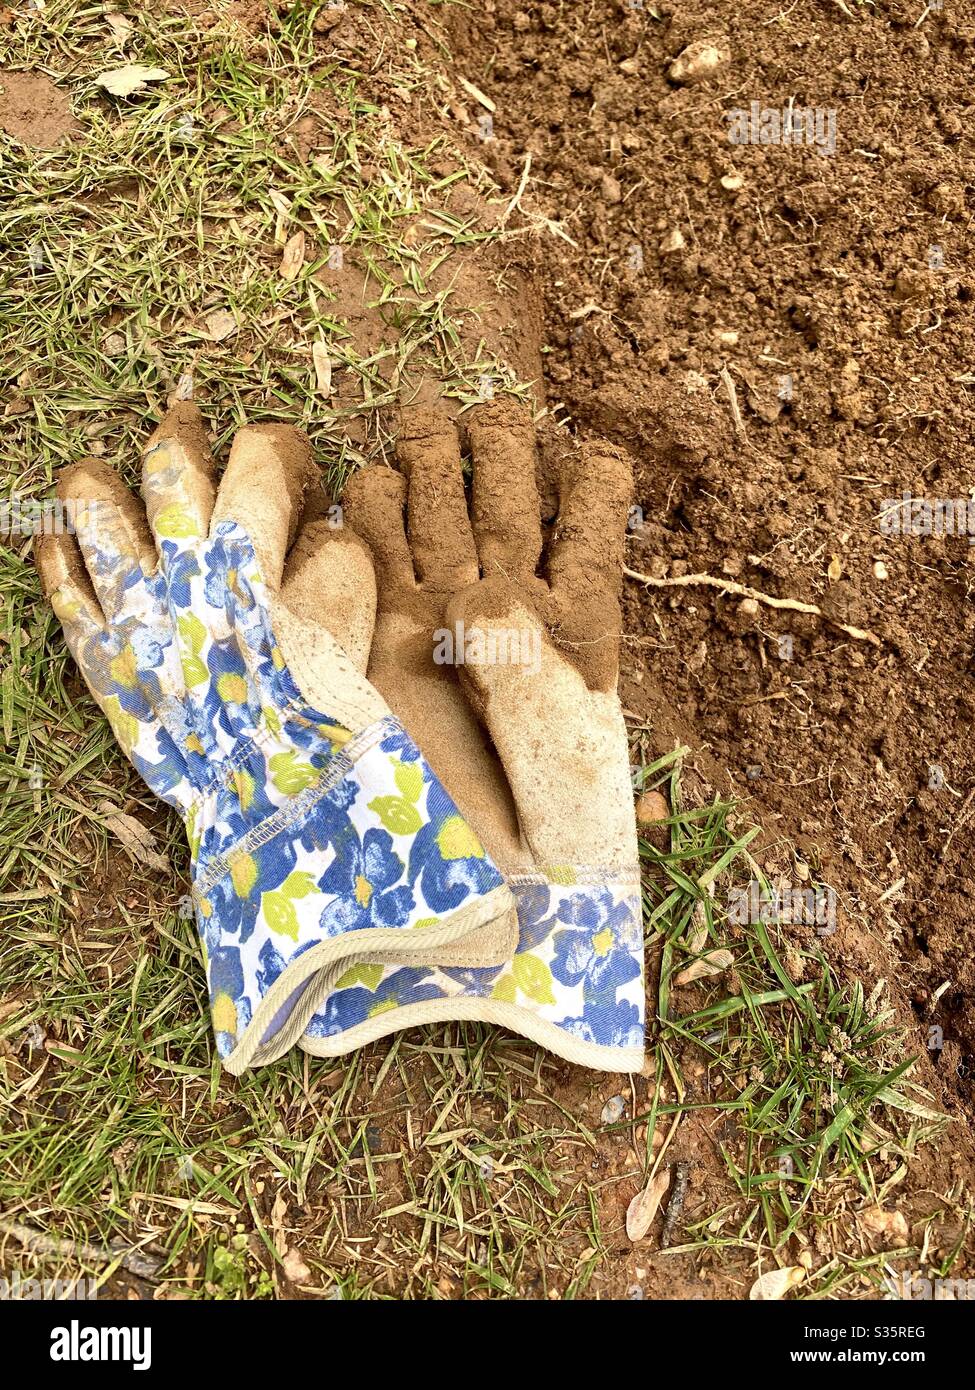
x=34, y=111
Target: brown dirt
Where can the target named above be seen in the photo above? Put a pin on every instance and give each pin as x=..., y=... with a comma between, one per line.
x=34, y=111
x=819, y=265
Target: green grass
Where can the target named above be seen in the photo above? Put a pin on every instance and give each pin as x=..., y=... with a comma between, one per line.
x=815, y=1079
x=455, y=1161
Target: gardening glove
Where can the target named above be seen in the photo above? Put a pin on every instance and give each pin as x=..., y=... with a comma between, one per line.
x=232, y=673
x=502, y=654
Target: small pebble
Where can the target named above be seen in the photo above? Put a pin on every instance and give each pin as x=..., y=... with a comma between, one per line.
x=699, y=61
x=651, y=807
x=613, y=1110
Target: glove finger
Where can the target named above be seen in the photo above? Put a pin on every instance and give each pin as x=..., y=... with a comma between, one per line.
x=329, y=580
x=68, y=588
x=440, y=535
x=373, y=503
x=585, y=562
x=506, y=507
x=178, y=476
x=263, y=491
x=586, y=550
x=112, y=532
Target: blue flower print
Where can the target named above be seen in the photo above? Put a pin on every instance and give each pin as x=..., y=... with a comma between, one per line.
x=611, y=1025
x=178, y=568
x=447, y=858
x=148, y=647
x=594, y=951
x=362, y=877
x=228, y=1003
x=400, y=743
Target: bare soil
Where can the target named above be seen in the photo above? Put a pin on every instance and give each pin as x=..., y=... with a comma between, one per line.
x=34, y=111
x=847, y=274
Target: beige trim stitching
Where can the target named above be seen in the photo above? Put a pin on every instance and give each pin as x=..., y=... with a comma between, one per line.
x=323, y=964
x=575, y=875
x=513, y=1017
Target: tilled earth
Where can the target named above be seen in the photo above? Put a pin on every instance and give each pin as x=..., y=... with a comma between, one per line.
x=831, y=291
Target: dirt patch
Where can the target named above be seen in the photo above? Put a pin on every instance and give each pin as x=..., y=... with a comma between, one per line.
x=829, y=279
x=34, y=111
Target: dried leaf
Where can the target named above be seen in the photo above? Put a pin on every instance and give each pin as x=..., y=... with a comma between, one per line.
x=776, y=1284
x=120, y=26
x=135, y=838
x=292, y=257
x=711, y=964
x=220, y=324
x=477, y=94
x=295, y=1268
x=279, y=1211
x=134, y=77
x=643, y=1208
x=323, y=367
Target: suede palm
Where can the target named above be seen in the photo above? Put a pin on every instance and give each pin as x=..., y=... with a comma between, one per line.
x=502, y=652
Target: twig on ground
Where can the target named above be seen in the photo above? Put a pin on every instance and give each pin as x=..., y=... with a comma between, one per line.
x=729, y=586
x=729, y=386
x=675, y=1206
x=130, y=1259
x=522, y=185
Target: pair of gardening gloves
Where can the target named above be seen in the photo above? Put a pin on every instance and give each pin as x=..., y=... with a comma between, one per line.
x=396, y=743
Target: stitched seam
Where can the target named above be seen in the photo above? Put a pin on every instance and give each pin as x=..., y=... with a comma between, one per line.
x=584, y=876
x=262, y=737
x=336, y=955
x=299, y=806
